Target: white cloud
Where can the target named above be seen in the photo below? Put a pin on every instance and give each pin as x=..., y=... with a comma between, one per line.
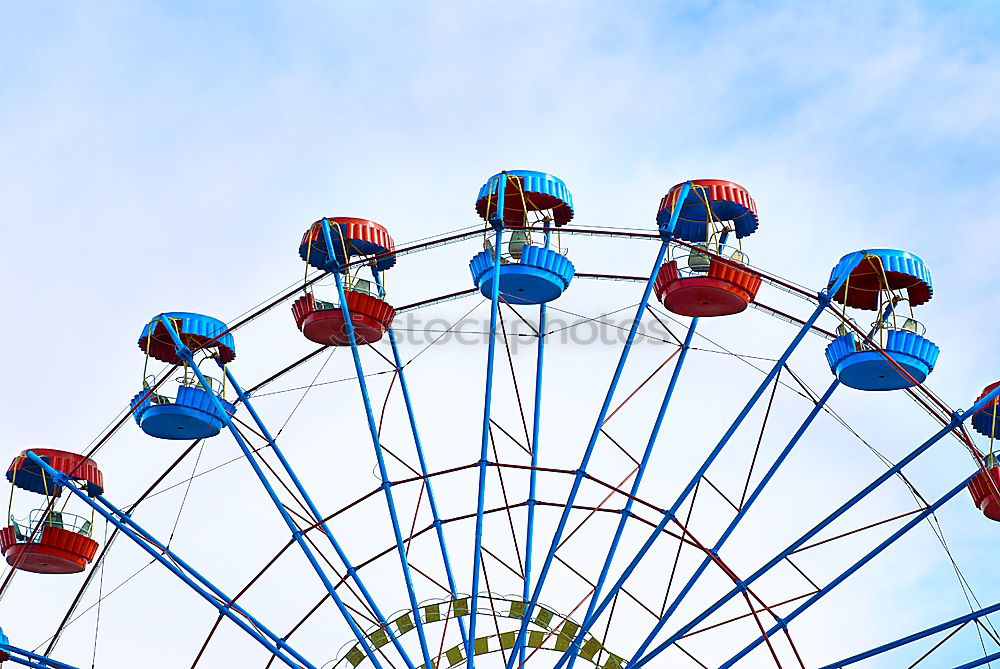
x=160, y=158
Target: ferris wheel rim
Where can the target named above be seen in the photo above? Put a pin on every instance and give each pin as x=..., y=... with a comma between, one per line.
x=273, y=377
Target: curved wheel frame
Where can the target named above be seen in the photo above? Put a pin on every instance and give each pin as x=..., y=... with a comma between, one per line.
x=517, y=645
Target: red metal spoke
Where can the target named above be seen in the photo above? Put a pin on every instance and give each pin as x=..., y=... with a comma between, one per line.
x=745, y=615
x=680, y=545
x=760, y=626
x=760, y=437
x=859, y=529
x=493, y=609
x=506, y=502
x=937, y=645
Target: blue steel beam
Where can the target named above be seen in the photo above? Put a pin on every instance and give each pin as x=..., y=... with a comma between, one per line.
x=30, y=659
x=313, y=509
x=185, y=354
x=916, y=636
x=957, y=419
x=333, y=267
x=159, y=552
x=529, y=544
x=588, y=452
x=424, y=471
x=986, y=659
x=739, y=516
x=477, y=554
x=741, y=513
x=29, y=663
x=626, y=511
x=823, y=299
x=868, y=557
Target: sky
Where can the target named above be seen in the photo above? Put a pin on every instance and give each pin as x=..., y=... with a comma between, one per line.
x=167, y=156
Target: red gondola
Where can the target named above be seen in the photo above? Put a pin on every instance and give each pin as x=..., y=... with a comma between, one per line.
x=985, y=488
x=330, y=244
x=704, y=276
x=709, y=286
x=50, y=540
x=323, y=322
x=986, y=421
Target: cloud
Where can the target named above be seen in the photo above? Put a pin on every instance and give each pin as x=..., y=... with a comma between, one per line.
x=162, y=157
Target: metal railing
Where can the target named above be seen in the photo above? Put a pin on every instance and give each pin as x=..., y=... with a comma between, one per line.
x=512, y=249
x=191, y=381
x=364, y=286
x=60, y=519
x=352, y=284
x=908, y=324
x=880, y=329
x=696, y=262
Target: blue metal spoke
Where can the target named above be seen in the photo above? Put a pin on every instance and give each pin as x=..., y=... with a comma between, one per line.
x=477, y=554
x=529, y=544
x=29, y=663
x=31, y=659
x=916, y=636
x=670, y=514
x=297, y=535
x=424, y=471
x=823, y=299
x=383, y=472
x=980, y=662
x=868, y=557
x=588, y=452
x=626, y=512
x=739, y=516
x=313, y=510
x=159, y=552
x=745, y=507
x=957, y=419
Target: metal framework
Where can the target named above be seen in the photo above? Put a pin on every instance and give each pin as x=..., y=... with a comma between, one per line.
x=536, y=626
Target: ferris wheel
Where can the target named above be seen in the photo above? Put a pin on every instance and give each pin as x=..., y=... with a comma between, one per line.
x=647, y=501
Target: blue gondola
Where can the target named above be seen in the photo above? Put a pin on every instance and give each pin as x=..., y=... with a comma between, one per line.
x=532, y=269
x=532, y=275
x=190, y=413
x=525, y=191
x=896, y=355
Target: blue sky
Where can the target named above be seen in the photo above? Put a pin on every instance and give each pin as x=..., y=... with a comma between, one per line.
x=162, y=155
